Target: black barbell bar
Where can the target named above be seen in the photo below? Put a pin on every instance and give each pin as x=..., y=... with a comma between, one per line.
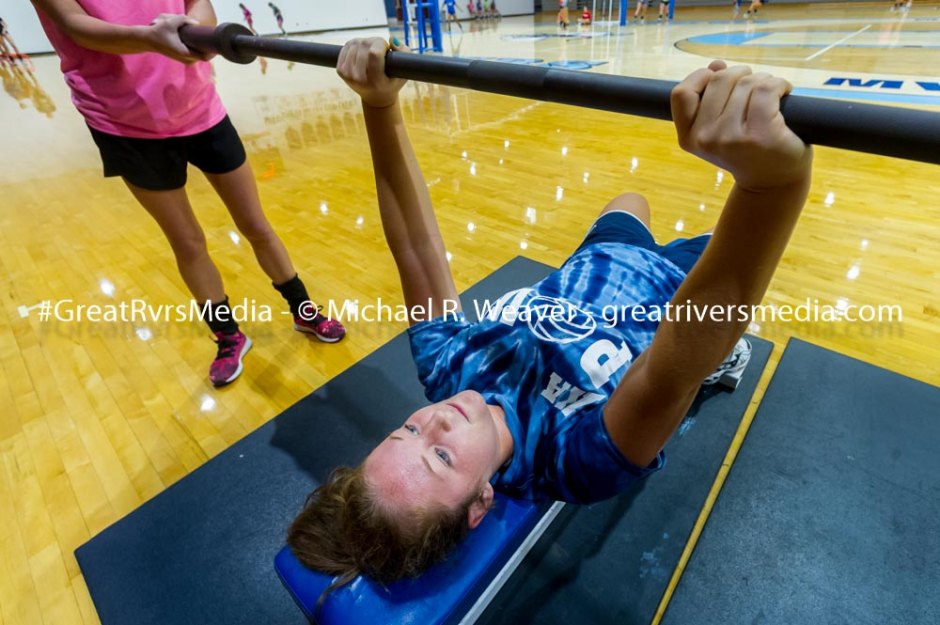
x=888, y=131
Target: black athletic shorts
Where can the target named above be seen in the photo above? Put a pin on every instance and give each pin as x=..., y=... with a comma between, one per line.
x=160, y=164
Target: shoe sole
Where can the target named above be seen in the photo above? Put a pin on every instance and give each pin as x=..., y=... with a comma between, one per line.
x=238, y=371
x=322, y=338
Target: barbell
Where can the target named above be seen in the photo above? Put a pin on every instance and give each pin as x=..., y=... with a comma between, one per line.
x=887, y=131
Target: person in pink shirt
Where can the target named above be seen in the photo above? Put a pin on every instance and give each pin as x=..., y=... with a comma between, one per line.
x=248, y=19
x=151, y=107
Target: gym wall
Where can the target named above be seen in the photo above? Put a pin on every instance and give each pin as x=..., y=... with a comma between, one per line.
x=509, y=7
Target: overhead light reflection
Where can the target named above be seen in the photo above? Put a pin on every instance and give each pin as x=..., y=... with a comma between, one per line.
x=107, y=288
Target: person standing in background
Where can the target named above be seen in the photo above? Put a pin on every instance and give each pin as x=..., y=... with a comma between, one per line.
x=664, y=10
x=248, y=19
x=563, y=13
x=450, y=7
x=586, y=17
x=279, y=17
x=755, y=4
x=494, y=11
x=640, y=13
x=8, y=49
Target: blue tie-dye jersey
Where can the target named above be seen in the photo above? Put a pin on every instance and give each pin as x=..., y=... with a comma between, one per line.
x=551, y=355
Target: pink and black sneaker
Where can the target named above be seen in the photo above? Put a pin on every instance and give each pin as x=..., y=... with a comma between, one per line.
x=326, y=329
x=228, y=360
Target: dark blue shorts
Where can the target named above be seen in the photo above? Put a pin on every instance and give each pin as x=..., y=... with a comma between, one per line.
x=624, y=227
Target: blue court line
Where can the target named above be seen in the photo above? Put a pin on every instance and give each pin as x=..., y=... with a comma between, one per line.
x=728, y=39
x=876, y=20
x=829, y=32
x=739, y=39
x=843, y=45
x=843, y=94
x=842, y=32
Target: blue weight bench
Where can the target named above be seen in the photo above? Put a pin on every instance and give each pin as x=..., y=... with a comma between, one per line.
x=455, y=591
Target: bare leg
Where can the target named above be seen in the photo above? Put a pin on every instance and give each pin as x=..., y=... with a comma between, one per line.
x=5, y=52
x=632, y=203
x=636, y=205
x=25, y=60
x=640, y=11
x=240, y=195
x=174, y=215
x=7, y=39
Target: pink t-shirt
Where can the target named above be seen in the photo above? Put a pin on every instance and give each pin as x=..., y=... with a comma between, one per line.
x=146, y=95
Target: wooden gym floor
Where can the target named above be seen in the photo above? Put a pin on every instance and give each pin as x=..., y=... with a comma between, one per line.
x=98, y=418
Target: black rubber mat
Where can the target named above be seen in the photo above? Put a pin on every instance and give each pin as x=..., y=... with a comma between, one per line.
x=831, y=512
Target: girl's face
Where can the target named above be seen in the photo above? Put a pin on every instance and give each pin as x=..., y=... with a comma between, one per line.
x=441, y=456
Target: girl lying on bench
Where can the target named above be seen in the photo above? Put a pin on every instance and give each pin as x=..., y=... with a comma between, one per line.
x=550, y=396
